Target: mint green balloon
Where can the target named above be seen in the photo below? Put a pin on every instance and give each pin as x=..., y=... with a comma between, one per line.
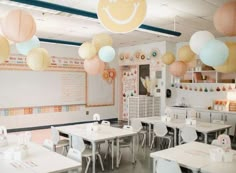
x=214, y=53
x=106, y=53
x=24, y=47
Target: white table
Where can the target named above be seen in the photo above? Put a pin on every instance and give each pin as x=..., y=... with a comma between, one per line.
x=39, y=160
x=102, y=134
x=202, y=127
x=194, y=156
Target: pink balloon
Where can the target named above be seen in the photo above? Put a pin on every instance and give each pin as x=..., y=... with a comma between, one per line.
x=178, y=68
x=93, y=66
x=18, y=26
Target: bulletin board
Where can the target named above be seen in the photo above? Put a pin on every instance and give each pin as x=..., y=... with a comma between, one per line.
x=99, y=92
x=41, y=88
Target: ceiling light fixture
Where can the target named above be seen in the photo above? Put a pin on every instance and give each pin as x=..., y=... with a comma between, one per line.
x=57, y=7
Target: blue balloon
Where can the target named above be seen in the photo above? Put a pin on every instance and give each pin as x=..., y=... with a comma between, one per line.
x=24, y=47
x=214, y=53
x=106, y=53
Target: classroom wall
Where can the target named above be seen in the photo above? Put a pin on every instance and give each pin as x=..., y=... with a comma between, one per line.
x=51, y=118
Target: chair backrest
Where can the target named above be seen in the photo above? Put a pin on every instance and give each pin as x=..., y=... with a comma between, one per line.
x=188, y=134
x=166, y=166
x=160, y=129
x=74, y=155
x=55, y=135
x=224, y=141
x=218, y=122
x=106, y=123
x=136, y=124
x=96, y=117
x=47, y=143
x=3, y=130
x=127, y=127
x=78, y=143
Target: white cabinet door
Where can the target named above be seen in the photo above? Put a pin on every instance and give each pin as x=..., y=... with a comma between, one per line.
x=217, y=116
x=179, y=113
x=231, y=120
x=203, y=116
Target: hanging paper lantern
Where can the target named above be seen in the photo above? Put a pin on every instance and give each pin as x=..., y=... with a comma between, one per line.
x=38, y=59
x=121, y=16
x=185, y=54
x=18, y=26
x=24, y=47
x=230, y=64
x=107, y=53
x=4, y=49
x=178, y=68
x=224, y=19
x=214, y=53
x=199, y=39
x=101, y=40
x=93, y=66
x=168, y=58
x=87, y=50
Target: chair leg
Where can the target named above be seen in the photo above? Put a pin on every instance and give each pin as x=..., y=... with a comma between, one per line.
x=108, y=149
x=119, y=158
x=88, y=163
x=152, y=142
x=99, y=156
x=144, y=139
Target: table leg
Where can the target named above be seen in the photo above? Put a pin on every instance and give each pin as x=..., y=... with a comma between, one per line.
x=175, y=136
x=112, y=154
x=93, y=155
x=117, y=151
x=133, y=146
x=205, y=137
x=149, y=134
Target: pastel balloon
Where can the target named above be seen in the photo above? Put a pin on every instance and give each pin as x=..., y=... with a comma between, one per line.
x=214, y=53
x=18, y=26
x=38, y=59
x=93, y=66
x=87, y=50
x=107, y=54
x=4, y=49
x=178, y=68
x=224, y=19
x=230, y=64
x=24, y=47
x=101, y=40
x=185, y=54
x=168, y=58
x=199, y=39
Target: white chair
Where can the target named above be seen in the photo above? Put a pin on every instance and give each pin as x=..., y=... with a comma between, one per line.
x=167, y=166
x=137, y=126
x=57, y=142
x=187, y=134
x=76, y=156
x=222, y=141
x=124, y=142
x=78, y=144
x=160, y=131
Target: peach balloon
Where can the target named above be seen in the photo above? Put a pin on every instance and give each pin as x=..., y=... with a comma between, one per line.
x=168, y=58
x=186, y=54
x=4, y=49
x=102, y=67
x=230, y=65
x=224, y=19
x=178, y=68
x=18, y=26
x=93, y=66
x=38, y=59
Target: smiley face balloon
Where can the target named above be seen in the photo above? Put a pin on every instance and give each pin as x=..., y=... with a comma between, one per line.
x=121, y=16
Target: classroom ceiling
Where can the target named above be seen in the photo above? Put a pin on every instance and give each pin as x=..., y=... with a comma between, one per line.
x=189, y=16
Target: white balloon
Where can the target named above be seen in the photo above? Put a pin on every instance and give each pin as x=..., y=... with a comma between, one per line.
x=199, y=39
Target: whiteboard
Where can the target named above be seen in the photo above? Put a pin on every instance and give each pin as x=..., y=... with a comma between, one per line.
x=41, y=88
x=99, y=91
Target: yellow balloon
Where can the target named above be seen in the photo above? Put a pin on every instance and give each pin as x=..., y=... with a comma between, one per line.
x=185, y=54
x=168, y=58
x=4, y=49
x=38, y=59
x=101, y=40
x=87, y=50
x=230, y=65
